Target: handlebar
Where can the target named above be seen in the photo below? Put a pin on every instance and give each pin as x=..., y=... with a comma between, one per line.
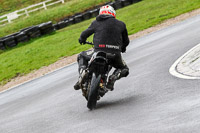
x=90, y=43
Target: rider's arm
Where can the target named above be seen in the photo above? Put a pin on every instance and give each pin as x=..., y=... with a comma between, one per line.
x=85, y=34
x=125, y=39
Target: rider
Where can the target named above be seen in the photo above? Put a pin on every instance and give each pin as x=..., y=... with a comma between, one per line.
x=110, y=36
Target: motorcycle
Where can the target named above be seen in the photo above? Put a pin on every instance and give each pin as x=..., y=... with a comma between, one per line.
x=93, y=86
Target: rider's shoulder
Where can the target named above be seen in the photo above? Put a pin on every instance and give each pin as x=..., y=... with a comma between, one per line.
x=94, y=22
x=120, y=22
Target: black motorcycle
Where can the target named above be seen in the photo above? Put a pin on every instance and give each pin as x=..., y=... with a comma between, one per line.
x=94, y=83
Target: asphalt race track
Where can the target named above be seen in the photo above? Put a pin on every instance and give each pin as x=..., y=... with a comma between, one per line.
x=150, y=100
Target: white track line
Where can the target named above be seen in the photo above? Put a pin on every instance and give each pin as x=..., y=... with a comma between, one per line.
x=173, y=70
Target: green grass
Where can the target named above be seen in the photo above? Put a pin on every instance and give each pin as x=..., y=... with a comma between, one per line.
x=54, y=14
x=151, y=12
x=8, y=6
x=48, y=49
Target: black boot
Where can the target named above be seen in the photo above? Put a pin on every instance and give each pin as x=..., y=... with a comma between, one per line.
x=112, y=79
x=77, y=86
x=111, y=82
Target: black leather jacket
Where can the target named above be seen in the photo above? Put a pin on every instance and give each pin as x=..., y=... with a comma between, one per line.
x=110, y=34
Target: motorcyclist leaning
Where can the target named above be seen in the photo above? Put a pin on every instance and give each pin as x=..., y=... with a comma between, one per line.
x=110, y=36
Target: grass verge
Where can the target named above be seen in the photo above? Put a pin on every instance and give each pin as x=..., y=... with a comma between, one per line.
x=48, y=49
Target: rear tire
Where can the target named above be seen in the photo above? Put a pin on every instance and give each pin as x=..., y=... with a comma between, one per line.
x=93, y=91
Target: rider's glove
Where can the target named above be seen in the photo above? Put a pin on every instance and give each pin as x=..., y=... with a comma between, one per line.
x=123, y=49
x=81, y=41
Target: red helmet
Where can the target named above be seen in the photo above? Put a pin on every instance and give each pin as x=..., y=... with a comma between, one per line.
x=107, y=10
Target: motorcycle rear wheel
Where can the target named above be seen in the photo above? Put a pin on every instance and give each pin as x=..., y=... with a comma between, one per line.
x=93, y=91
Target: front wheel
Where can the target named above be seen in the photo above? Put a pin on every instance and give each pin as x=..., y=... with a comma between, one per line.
x=93, y=91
